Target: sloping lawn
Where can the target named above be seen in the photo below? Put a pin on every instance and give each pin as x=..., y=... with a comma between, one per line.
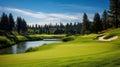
x=84, y=51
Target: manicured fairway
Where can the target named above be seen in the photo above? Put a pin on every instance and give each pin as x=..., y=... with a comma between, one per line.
x=84, y=51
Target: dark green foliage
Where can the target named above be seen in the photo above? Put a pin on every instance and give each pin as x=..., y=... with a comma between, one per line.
x=11, y=21
x=67, y=39
x=85, y=25
x=97, y=24
x=4, y=42
x=33, y=38
x=21, y=25
x=115, y=12
x=7, y=24
x=105, y=21
x=69, y=28
x=4, y=24
x=24, y=26
x=59, y=31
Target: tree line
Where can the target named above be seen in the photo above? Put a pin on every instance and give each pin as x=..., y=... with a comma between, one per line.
x=60, y=28
x=108, y=19
x=8, y=24
x=86, y=27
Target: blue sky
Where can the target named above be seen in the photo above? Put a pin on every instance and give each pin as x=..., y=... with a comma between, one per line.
x=53, y=11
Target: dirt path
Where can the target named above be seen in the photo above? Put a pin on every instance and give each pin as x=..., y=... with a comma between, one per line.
x=110, y=39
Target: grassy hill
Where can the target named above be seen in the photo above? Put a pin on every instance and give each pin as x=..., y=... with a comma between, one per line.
x=83, y=51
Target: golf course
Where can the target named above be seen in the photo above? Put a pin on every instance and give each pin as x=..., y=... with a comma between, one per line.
x=83, y=51
x=60, y=33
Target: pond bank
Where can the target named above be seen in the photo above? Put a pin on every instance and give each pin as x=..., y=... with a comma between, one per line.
x=23, y=47
x=6, y=41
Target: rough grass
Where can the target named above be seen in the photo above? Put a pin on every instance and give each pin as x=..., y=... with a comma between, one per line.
x=84, y=51
x=5, y=40
x=115, y=32
x=12, y=39
x=70, y=38
x=37, y=37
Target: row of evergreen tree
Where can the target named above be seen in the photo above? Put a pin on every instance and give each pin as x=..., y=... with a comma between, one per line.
x=69, y=28
x=8, y=24
x=97, y=25
x=110, y=18
x=86, y=27
x=115, y=12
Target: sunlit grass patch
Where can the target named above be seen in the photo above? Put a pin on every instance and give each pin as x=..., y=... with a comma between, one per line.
x=83, y=51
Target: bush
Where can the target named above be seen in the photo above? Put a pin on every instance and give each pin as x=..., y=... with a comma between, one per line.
x=68, y=35
x=68, y=39
x=33, y=37
x=4, y=40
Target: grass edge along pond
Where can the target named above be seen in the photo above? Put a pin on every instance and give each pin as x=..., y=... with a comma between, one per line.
x=84, y=51
x=12, y=39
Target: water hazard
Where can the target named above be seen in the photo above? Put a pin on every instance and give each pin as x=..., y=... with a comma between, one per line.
x=23, y=46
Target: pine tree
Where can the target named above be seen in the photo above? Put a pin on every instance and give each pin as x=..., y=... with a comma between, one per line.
x=19, y=24
x=4, y=24
x=85, y=25
x=97, y=24
x=67, y=28
x=115, y=12
x=24, y=26
x=79, y=28
x=105, y=20
x=11, y=21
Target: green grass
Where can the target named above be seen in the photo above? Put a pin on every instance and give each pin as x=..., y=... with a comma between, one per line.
x=70, y=38
x=83, y=51
x=11, y=39
x=37, y=37
x=5, y=40
x=48, y=36
x=112, y=33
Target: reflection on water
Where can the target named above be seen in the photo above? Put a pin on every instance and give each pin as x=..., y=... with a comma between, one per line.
x=23, y=46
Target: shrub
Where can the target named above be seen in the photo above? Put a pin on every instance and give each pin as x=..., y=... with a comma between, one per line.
x=4, y=40
x=68, y=39
x=67, y=35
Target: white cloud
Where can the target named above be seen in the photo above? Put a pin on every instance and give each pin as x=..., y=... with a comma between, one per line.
x=47, y=18
x=63, y=16
x=79, y=7
x=35, y=15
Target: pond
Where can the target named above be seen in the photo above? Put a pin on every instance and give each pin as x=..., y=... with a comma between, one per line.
x=23, y=46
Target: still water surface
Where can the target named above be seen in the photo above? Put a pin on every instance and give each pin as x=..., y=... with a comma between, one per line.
x=23, y=46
